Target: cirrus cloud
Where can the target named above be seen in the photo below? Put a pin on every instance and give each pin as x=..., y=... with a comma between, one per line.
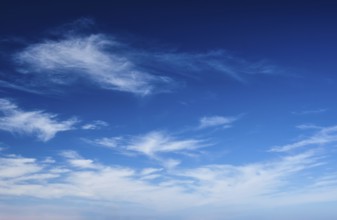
x=44, y=125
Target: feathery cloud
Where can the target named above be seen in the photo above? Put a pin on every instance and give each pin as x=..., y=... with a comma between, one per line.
x=77, y=55
x=92, y=57
x=44, y=125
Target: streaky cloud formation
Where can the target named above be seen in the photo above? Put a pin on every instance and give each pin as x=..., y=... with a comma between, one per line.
x=38, y=123
x=104, y=61
x=152, y=143
x=157, y=142
x=196, y=65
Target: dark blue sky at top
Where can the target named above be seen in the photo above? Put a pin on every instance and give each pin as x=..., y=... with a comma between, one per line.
x=294, y=33
x=269, y=28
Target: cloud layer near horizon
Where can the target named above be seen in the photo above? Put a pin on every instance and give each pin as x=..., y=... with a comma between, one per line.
x=155, y=189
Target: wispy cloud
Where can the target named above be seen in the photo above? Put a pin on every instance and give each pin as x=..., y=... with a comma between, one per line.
x=90, y=57
x=110, y=142
x=308, y=126
x=236, y=182
x=98, y=124
x=155, y=145
x=323, y=136
x=217, y=121
x=76, y=160
x=151, y=144
x=156, y=142
x=44, y=125
x=195, y=65
x=76, y=55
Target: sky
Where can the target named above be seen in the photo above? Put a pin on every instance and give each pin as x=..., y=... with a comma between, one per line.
x=188, y=110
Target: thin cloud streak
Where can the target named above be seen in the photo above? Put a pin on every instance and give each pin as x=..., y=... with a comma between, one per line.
x=323, y=136
x=151, y=144
x=195, y=65
x=309, y=112
x=157, y=142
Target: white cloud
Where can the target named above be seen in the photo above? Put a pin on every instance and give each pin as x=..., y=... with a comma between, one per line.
x=76, y=160
x=93, y=57
x=151, y=144
x=111, y=142
x=308, y=126
x=169, y=163
x=215, y=121
x=155, y=145
x=98, y=124
x=11, y=167
x=149, y=171
x=156, y=142
x=44, y=125
x=325, y=135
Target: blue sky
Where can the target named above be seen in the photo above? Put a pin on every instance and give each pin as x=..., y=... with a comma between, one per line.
x=168, y=110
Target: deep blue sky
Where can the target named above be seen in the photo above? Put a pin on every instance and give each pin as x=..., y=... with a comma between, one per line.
x=168, y=110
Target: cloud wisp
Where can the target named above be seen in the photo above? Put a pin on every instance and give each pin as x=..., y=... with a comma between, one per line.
x=197, y=65
x=324, y=135
x=37, y=123
x=157, y=142
x=98, y=124
x=91, y=58
x=155, y=145
x=310, y=112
